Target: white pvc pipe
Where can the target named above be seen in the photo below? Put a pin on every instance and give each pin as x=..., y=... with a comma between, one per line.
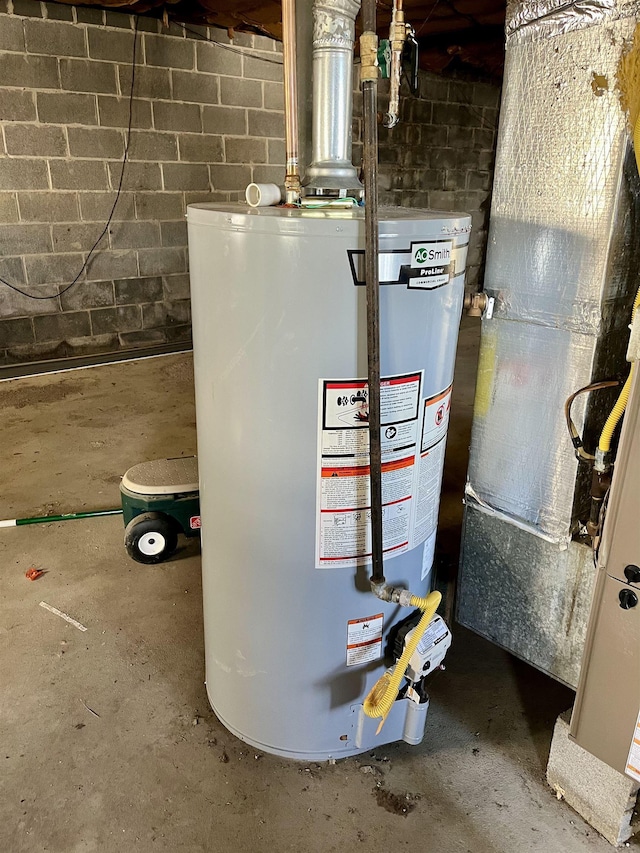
x=263, y=195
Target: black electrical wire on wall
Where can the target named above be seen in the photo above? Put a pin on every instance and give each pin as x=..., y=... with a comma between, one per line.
x=118, y=192
x=237, y=50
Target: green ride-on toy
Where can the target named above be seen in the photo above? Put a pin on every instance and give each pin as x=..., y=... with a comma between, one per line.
x=160, y=500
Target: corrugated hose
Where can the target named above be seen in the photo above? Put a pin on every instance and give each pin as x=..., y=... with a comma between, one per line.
x=385, y=691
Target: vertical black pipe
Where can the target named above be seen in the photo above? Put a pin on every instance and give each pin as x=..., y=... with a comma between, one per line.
x=370, y=168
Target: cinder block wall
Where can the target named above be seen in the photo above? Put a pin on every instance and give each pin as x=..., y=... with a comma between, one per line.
x=206, y=121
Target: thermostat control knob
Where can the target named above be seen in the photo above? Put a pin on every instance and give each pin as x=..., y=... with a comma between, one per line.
x=632, y=574
x=628, y=599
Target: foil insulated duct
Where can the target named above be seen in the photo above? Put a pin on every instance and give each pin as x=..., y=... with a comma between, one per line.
x=543, y=18
x=540, y=19
x=560, y=263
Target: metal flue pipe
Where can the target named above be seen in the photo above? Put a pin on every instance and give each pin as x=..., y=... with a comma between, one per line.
x=369, y=83
x=331, y=170
x=292, y=175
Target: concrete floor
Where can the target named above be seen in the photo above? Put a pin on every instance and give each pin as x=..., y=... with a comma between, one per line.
x=107, y=740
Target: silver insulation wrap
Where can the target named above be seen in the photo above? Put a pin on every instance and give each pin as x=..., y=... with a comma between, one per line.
x=562, y=264
x=555, y=195
x=521, y=462
x=558, y=266
x=542, y=19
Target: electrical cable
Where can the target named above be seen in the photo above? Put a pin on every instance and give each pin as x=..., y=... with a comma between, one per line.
x=240, y=51
x=473, y=21
x=118, y=192
x=576, y=438
x=424, y=23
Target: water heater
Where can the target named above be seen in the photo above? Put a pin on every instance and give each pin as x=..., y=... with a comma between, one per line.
x=294, y=638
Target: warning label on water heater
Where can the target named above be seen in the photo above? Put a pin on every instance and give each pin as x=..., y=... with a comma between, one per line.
x=364, y=639
x=412, y=428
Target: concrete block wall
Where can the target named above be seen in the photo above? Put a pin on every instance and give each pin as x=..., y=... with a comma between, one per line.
x=206, y=121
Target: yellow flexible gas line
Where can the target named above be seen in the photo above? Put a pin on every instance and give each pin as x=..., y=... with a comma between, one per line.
x=604, y=444
x=616, y=413
x=385, y=691
x=636, y=140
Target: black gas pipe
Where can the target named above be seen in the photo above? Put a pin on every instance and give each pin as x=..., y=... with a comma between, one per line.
x=369, y=82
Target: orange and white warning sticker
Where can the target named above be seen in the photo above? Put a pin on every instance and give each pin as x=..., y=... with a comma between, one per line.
x=633, y=760
x=364, y=639
x=343, y=531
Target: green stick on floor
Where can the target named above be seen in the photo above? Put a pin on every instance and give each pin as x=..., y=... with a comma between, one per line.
x=67, y=516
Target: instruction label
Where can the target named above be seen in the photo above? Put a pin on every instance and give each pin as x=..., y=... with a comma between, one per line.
x=633, y=760
x=411, y=468
x=364, y=639
x=427, y=502
x=344, y=517
x=435, y=633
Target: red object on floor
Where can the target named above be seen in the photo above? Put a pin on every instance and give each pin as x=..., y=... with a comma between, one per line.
x=33, y=574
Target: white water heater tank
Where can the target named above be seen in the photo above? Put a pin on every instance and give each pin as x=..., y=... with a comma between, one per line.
x=294, y=638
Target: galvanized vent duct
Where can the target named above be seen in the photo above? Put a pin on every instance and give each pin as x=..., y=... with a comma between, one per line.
x=562, y=261
x=331, y=171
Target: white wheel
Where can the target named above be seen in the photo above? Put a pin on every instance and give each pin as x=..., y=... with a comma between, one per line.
x=150, y=537
x=152, y=544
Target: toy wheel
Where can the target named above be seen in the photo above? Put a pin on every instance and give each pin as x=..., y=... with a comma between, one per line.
x=150, y=538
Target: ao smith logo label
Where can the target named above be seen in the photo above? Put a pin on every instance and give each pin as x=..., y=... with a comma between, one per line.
x=423, y=255
x=431, y=254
